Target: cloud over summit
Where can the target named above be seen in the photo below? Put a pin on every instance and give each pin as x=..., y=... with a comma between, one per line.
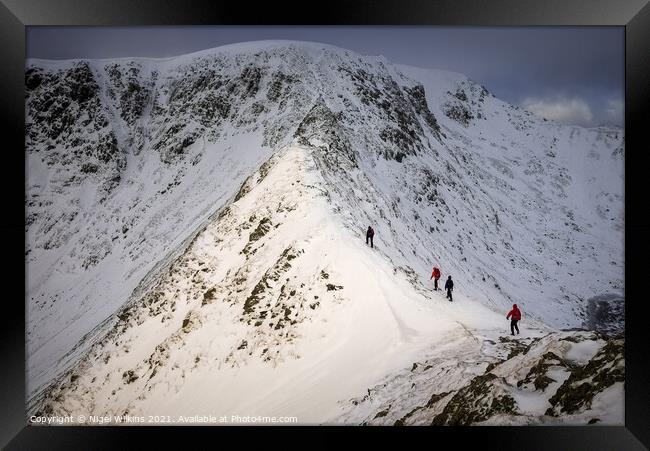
x=561, y=109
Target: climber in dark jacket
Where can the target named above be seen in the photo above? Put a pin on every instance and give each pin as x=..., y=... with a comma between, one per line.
x=369, y=234
x=449, y=286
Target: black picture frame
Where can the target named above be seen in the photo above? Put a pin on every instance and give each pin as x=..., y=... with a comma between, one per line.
x=15, y=15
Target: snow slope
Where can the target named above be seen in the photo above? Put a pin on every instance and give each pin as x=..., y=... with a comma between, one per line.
x=328, y=308
x=271, y=307
x=133, y=162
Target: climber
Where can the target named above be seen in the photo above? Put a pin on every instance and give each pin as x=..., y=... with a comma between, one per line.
x=516, y=316
x=369, y=235
x=449, y=286
x=435, y=275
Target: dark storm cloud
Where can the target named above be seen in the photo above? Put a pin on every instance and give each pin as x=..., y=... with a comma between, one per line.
x=571, y=74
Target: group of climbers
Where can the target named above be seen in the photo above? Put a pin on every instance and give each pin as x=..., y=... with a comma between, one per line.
x=514, y=315
x=449, y=285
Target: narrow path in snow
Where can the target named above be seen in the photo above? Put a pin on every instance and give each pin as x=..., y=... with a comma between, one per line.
x=362, y=322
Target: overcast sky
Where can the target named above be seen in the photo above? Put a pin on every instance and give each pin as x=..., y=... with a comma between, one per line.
x=574, y=75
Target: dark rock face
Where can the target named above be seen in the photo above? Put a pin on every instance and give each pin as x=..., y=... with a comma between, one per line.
x=465, y=105
x=602, y=371
x=321, y=125
x=68, y=124
x=57, y=103
x=403, y=109
x=480, y=400
x=418, y=99
x=606, y=314
x=129, y=90
x=210, y=93
x=459, y=113
x=537, y=375
x=489, y=398
x=65, y=116
x=280, y=86
x=75, y=109
x=33, y=79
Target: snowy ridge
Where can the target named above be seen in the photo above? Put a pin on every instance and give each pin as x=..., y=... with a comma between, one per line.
x=131, y=162
x=286, y=321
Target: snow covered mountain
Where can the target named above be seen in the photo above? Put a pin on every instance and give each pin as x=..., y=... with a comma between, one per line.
x=195, y=239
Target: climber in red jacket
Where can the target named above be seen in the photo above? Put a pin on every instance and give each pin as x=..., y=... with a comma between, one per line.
x=435, y=275
x=516, y=316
